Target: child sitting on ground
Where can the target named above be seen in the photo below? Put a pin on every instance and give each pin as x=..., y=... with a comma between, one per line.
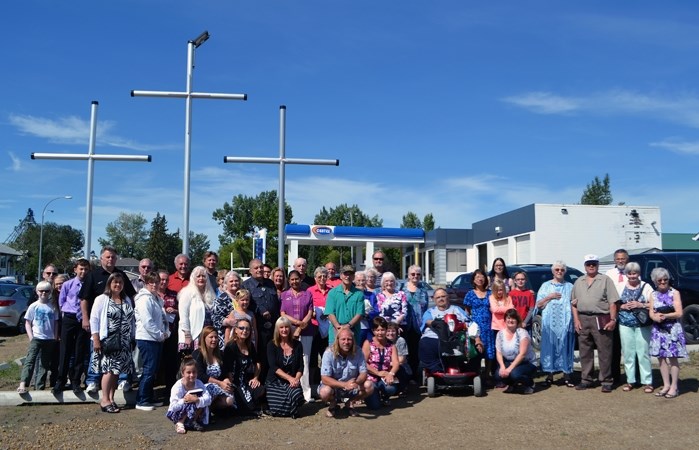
x=189, y=400
x=405, y=372
x=41, y=323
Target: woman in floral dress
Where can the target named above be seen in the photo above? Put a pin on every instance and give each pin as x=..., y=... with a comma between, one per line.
x=667, y=341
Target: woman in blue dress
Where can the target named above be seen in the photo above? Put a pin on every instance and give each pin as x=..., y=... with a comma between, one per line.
x=478, y=307
x=557, y=335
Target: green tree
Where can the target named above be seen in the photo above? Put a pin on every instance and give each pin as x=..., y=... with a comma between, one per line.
x=127, y=234
x=411, y=220
x=162, y=246
x=240, y=218
x=344, y=215
x=428, y=222
x=61, y=245
x=597, y=192
x=198, y=246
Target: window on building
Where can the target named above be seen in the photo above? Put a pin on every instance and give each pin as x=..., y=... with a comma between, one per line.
x=456, y=260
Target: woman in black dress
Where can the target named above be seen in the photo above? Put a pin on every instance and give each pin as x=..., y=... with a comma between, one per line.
x=285, y=356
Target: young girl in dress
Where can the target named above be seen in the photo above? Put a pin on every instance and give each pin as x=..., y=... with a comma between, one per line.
x=189, y=400
x=241, y=303
x=405, y=372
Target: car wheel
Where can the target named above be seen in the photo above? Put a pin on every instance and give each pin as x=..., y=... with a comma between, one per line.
x=536, y=332
x=690, y=323
x=20, y=325
x=478, y=387
x=431, y=387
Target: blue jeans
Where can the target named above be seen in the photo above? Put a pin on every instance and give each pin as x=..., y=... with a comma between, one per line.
x=150, y=356
x=381, y=391
x=523, y=373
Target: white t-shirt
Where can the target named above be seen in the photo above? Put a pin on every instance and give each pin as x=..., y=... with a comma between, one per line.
x=44, y=320
x=510, y=348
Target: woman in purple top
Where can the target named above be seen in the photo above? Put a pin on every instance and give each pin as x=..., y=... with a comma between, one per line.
x=297, y=306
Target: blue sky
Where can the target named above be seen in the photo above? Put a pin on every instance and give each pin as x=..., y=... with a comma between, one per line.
x=459, y=108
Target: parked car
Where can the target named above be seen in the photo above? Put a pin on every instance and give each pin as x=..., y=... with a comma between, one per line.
x=684, y=276
x=537, y=274
x=14, y=301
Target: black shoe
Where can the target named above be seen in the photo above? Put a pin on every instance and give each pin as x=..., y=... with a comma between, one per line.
x=582, y=386
x=57, y=388
x=77, y=391
x=606, y=388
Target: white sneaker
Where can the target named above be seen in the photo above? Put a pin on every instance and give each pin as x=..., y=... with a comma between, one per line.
x=145, y=407
x=124, y=386
x=92, y=388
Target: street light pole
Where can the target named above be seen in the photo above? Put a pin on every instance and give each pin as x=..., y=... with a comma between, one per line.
x=41, y=232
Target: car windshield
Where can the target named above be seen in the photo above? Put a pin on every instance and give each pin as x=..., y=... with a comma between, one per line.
x=689, y=265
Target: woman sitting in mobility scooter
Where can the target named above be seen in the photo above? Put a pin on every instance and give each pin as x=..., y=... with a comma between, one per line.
x=450, y=348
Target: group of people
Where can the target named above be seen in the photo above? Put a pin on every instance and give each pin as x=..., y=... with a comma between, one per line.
x=217, y=341
x=618, y=314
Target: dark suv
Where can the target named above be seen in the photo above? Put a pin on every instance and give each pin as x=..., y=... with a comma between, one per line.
x=537, y=274
x=684, y=276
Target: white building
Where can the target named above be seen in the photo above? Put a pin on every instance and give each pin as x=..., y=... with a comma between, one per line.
x=539, y=234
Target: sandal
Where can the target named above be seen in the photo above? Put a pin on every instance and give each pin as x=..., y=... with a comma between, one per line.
x=548, y=381
x=109, y=409
x=196, y=426
x=353, y=412
x=662, y=393
x=330, y=412
x=648, y=389
x=180, y=429
x=668, y=395
x=569, y=383
x=627, y=388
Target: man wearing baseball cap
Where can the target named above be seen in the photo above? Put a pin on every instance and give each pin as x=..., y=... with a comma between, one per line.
x=345, y=306
x=595, y=312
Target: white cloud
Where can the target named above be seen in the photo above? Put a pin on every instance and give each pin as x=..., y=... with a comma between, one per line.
x=681, y=108
x=678, y=146
x=16, y=162
x=74, y=130
x=544, y=102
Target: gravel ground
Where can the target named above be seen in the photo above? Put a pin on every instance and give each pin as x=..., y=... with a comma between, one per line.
x=553, y=417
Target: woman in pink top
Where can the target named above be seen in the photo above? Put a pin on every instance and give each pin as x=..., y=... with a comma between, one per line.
x=499, y=304
x=319, y=293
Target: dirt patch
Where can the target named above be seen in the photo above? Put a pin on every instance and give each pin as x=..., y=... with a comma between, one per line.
x=553, y=417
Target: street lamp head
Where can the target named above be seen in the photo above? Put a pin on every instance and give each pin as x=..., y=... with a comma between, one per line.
x=200, y=39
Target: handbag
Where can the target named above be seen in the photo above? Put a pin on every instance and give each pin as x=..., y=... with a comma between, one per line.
x=112, y=343
x=642, y=315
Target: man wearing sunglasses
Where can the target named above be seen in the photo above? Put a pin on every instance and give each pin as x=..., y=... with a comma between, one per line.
x=50, y=273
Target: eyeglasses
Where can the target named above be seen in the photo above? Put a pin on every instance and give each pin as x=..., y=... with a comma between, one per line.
x=378, y=259
x=51, y=274
x=591, y=263
x=44, y=291
x=662, y=280
x=146, y=267
x=244, y=328
x=414, y=274
x=520, y=279
x=559, y=270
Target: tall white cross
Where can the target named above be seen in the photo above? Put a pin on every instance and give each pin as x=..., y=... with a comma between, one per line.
x=188, y=95
x=91, y=158
x=282, y=161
